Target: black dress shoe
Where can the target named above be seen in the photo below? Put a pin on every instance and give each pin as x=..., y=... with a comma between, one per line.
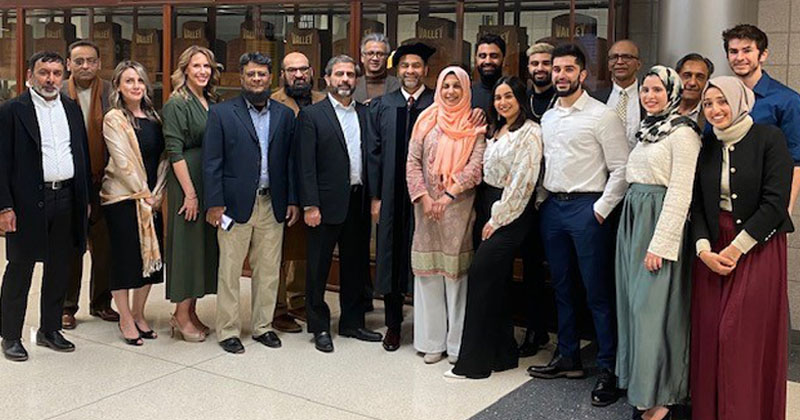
x=54, y=340
x=232, y=345
x=605, y=392
x=637, y=414
x=14, y=351
x=532, y=343
x=559, y=367
x=323, y=342
x=391, y=341
x=362, y=334
x=269, y=339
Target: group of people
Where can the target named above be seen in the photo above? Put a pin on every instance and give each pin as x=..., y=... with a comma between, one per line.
x=621, y=188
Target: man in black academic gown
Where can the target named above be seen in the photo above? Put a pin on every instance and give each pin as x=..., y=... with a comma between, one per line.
x=490, y=51
x=393, y=116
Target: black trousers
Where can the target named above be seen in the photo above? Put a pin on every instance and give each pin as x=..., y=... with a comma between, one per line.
x=533, y=273
x=487, y=343
x=17, y=279
x=352, y=236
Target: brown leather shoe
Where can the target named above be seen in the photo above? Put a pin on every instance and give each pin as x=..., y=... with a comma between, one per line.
x=106, y=314
x=68, y=321
x=391, y=341
x=285, y=323
x=298, y=314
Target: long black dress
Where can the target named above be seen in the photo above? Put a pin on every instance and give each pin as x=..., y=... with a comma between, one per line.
x=126, y=256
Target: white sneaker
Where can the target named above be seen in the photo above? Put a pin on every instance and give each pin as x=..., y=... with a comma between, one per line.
x=450, y=375
x=431, y=358
x=452, y=359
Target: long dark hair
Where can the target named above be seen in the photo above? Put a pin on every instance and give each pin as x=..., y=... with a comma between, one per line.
x=520, y=92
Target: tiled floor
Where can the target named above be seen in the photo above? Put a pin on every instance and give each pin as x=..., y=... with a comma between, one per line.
x=170, y=379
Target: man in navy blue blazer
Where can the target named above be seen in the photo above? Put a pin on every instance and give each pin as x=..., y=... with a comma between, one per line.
x=249, y=179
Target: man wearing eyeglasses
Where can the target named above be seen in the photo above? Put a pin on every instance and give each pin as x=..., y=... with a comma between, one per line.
x=623, y=95
x=86, y=88
x=297, y=93
x=375, y=81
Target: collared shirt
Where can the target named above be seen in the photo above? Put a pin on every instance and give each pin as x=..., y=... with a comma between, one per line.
x=585, y=150
x=779, y=105
x=694, y=114
x=633, y=113
x=351, y=128
x=261, y=123
x=55, y=136
x=416, y=94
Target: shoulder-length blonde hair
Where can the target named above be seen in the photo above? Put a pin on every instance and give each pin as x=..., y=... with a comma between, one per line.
x=117, y=101
x=179, y=75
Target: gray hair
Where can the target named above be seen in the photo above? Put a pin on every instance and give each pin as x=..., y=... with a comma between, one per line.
x=257, y=58
x=344, y=58
x=376, y=37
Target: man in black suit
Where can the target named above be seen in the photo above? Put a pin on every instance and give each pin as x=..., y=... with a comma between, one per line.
x=331, y=139
x=249, y=187
x=44, y=201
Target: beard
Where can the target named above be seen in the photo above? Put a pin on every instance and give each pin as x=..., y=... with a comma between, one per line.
x=256, y=97
x=573, y=87
x=490, y=74
x=547, y=81
x=412, y=83
x=344, y=90
x=298, y=89
x=44, y=93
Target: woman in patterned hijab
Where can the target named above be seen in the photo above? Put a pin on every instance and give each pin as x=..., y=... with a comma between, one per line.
x=659, y=125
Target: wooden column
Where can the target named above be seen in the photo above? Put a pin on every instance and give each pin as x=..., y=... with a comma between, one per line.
x=424, y=9
x=459, y=30
x=571, y=20
x=517, y=12
x=91, y=22
x=21, y=59
x=212, y=26
x=612, y=17
x=166, y=58
x=391, y=23
x=501, y=12
x=355, y=28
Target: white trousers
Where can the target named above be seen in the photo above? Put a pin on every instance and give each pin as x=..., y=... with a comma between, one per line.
x=439, y=314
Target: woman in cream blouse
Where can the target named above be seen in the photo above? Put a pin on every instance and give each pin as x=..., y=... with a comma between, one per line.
x=510, y=170
x=653, y=265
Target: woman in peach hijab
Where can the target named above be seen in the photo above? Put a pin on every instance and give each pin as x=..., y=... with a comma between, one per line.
x=445, y=157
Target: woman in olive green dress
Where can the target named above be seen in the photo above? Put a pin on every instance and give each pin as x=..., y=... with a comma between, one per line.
x=192, y=255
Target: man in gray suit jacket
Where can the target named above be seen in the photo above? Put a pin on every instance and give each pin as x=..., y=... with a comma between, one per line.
x=91, y=92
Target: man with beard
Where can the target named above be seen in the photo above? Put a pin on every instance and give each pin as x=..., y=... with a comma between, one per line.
x=86, y=88
x=623, y=95
x=585, y=151
x=393, y=116
x=540, y=67
x=250, y=192
x=776, y=104
x=44, y=201
x=296, y=93
x=375, y=81
x=333, y=192
x=694, y=70
x=542, y=97
x=489, y=55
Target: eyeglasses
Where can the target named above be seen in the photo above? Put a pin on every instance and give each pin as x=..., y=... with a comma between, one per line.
x=627, y=58
x=374, y=54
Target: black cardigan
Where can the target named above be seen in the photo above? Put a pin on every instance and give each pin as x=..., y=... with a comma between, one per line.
x=760, y=182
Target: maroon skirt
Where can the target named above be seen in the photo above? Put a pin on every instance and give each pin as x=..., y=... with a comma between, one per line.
x=739, y=334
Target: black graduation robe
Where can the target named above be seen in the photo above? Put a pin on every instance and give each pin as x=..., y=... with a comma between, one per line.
x=386, y=170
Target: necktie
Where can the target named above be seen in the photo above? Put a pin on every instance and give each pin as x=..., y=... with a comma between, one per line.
x=409, y=105
x=622, y=108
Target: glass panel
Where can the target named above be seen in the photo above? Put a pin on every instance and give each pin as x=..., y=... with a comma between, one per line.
x=8, y=54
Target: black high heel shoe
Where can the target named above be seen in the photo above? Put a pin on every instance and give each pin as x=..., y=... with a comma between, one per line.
x=130, y=341
x=147, y=335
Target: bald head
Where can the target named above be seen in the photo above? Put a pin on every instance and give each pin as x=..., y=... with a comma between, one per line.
x=296, y=71
x=624, y=62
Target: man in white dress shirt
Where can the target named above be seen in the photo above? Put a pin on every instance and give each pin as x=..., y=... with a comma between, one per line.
x=44, y=199
x=585, y=151
x=623, y=95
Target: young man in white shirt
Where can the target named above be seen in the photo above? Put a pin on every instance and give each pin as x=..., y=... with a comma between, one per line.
x=585, y=151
